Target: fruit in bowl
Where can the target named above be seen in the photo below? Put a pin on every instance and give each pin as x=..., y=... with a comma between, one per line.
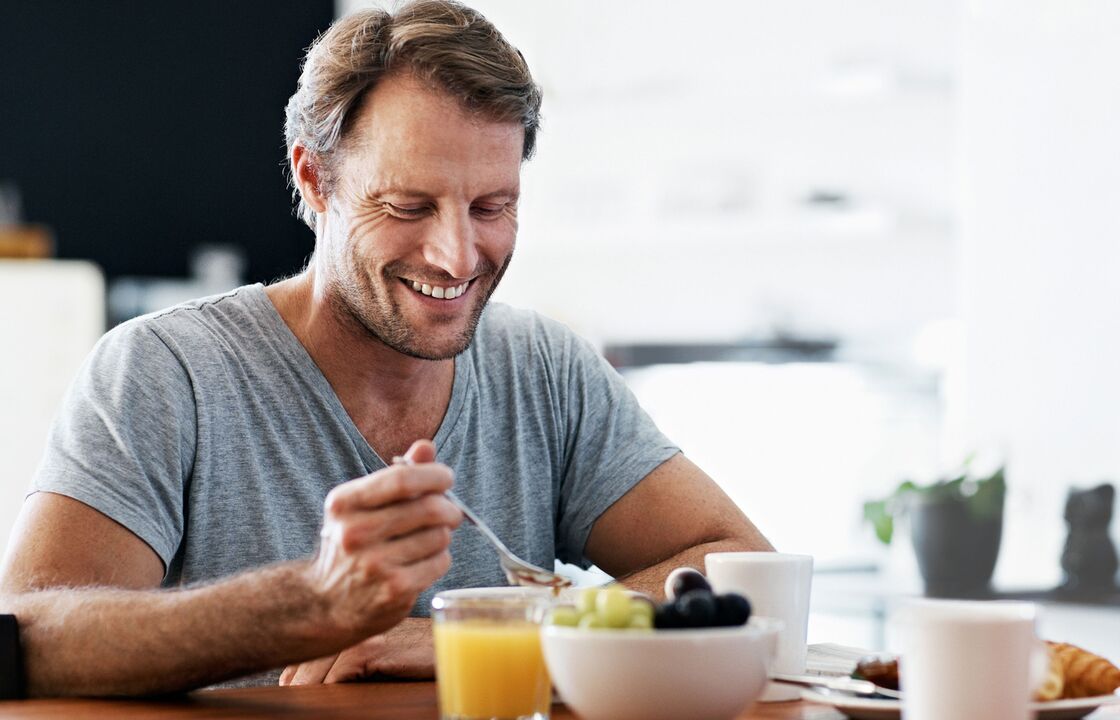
x=692, y=604
x=608, y=663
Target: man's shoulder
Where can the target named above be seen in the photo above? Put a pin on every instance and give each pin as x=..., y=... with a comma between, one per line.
x=190, y=322
x=233, y=306
x=507, y=326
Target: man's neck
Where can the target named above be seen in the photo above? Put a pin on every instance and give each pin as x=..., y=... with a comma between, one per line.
x=379, y=387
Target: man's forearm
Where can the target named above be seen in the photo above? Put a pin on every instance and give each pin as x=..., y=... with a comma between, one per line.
x=651, y=580
x=100, y=641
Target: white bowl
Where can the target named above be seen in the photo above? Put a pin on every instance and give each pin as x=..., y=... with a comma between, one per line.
x=703, y=674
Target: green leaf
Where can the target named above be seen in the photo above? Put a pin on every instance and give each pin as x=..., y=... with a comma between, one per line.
x=876, y=513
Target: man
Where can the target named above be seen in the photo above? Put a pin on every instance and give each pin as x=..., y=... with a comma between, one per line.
x=197, y=445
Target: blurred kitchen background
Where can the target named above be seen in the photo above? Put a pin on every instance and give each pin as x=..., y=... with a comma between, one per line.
x=832, y=246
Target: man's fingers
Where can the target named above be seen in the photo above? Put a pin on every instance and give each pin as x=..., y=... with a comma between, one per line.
x=427, y=570
x=421, y=451
x=385, y=487
x=311, y=672
x=352, y=664
x=398, y=521
x=417, y=546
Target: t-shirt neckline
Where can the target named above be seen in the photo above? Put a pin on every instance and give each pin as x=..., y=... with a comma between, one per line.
x=291, y=346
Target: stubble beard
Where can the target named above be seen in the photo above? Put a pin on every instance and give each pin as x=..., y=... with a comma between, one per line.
x=366, y=299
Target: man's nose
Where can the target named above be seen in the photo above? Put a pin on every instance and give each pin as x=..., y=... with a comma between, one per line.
x=453, y=246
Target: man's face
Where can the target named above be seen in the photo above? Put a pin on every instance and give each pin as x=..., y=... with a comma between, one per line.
x=424, y=206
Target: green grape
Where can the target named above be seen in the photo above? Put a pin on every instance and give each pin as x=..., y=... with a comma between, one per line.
x=613, y=606
x=566, y=616
x=591, y=621
x=639, y=621
x=641, y=609
x=585, y=601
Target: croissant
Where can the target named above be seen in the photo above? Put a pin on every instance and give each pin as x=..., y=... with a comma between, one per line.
x=1084, y=673
x=1054, y=682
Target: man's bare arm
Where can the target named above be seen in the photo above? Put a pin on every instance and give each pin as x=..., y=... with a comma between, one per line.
x=384, y=540
x=107, y=641
x=673, y=517
x=60, y=541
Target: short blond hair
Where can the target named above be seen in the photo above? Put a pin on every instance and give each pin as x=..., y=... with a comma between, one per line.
x=441, y=42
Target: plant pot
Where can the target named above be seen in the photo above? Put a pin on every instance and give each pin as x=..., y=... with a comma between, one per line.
x=956, y=549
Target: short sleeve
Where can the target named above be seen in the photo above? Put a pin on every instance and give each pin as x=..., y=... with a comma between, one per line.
x=611, y=445
x=124, y=440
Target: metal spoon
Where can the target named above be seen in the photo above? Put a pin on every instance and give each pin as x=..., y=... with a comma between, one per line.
x=863, y=688
x=517, y=571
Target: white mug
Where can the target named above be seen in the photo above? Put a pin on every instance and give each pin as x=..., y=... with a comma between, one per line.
x=967, y=659
x=778, y=586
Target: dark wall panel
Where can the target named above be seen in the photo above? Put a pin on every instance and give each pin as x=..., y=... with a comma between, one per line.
x=138, y=130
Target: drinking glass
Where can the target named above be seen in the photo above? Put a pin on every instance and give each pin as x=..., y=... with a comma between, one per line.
x=489, y=664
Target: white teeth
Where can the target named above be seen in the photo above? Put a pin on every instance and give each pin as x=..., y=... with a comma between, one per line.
x=439, y=292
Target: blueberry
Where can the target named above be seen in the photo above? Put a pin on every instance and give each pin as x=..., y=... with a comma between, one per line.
x=684, y=579
x=698, y=607
x=667, y=617
x=732, y=610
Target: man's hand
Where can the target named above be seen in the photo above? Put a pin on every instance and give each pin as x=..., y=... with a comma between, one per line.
x=405, y=651
x=385, y=539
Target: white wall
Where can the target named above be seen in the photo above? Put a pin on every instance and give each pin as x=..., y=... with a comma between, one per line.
x=51, y=314
x=1040, y=259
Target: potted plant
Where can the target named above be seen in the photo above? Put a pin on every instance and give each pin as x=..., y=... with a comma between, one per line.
x=955, y=527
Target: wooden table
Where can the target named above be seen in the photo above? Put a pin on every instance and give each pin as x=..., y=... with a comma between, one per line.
x=369, y=701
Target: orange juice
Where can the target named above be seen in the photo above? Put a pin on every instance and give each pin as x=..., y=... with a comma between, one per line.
x=491, y=669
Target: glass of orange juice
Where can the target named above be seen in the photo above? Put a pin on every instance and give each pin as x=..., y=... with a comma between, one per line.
x=489, y=664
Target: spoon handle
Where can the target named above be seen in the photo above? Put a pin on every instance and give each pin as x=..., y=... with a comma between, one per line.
x=476, y=521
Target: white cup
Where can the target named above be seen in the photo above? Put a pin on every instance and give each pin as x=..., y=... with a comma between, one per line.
x=967, y=659
x=778, y=586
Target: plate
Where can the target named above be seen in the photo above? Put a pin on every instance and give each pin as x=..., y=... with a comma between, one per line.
x=858, y=708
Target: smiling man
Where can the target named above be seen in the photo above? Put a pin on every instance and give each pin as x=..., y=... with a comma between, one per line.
x=218, y=498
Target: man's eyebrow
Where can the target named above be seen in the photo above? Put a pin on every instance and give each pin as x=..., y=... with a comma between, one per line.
x=375, y=193
x=510, y=192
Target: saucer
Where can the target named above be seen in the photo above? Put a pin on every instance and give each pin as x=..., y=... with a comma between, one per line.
x=858, y=708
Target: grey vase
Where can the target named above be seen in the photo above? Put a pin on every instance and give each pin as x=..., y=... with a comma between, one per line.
x=956, y=550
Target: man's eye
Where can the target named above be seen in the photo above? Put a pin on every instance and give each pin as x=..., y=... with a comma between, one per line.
x=488, y=211
x=407, y=212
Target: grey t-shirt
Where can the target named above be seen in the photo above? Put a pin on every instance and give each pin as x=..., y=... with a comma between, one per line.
x=208, y=431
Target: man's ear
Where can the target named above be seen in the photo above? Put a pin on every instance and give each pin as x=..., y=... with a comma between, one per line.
x=307, y=177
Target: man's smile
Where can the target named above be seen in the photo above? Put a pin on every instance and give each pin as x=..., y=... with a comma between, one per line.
x=437, y=291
